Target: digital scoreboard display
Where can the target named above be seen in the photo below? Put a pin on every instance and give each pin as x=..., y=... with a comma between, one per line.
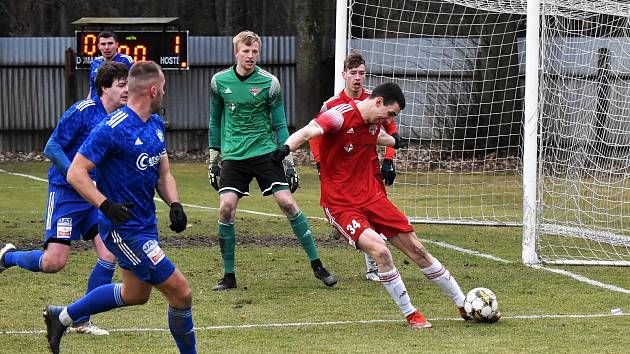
x=167, y=48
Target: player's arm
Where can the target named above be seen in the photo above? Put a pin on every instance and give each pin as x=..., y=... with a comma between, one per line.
x=167, y=189
x=388, y=170
x=216, y=112
x=214, y=134
x=310, y=131
x=54, y=151
x=91, y=80
x=79, y=178
x=394, y=140
x=63, y=134
x=330, y=121
x=391, y=129
x=166, y=186
x=278, y=115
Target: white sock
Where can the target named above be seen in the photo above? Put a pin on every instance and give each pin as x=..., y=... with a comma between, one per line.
x=65, y=318
x=370, y=263
x=442, y=277
x=396, y=289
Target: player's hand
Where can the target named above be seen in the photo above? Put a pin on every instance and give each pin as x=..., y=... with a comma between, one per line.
x=117, y=213
x=318, y=174
x=293, y=178
x=178, y=217
x=399, y=142
x=280, y=153
x=214, y=169
x=388, y=172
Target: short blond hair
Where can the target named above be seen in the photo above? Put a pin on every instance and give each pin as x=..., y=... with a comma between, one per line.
x=247, y=37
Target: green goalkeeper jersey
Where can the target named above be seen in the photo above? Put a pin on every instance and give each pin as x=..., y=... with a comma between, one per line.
x=247, y=118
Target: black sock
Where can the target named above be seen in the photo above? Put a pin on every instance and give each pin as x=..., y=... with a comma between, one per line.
x=229, y=276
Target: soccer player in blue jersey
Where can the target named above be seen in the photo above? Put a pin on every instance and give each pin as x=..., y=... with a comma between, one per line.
x=129, y=151
x=68, y=216
x=107, y=44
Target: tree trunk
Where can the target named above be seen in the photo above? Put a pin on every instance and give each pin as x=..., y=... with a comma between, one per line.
x=308, y=62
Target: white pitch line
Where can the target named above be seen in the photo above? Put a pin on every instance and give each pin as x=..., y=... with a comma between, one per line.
x=332, y=323
x=23, y=175
x=438, y=243
x=465, y=250
x=582, y=279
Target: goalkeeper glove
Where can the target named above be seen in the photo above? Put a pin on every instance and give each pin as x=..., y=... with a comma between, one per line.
x=178, y=217
x=388, y=172
x=117, y=213
x=214, y=169
x=292, y=177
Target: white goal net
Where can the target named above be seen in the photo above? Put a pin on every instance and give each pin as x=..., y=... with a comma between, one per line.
x=461, y=64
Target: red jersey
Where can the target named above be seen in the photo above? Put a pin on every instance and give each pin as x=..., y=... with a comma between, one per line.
x=342, y=98
x=346, y=169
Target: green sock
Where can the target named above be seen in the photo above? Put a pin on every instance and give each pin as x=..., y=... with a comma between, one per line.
x=227, y=242
x=300, y=227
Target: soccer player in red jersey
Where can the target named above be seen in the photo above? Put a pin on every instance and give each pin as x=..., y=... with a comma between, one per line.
x=354, y=201
x=354, y=77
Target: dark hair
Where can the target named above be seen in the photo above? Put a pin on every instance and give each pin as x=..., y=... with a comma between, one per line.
x=352, y=61
x=106, y=34
x=107, y=73
x=391, y=93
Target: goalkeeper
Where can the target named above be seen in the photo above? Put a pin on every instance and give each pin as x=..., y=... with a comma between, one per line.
x=247, y=123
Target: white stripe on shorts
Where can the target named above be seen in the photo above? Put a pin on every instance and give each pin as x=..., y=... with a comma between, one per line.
x=124, y=248
x=49, y=210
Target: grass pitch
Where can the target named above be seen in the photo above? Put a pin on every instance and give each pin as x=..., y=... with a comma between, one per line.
x=280, y=307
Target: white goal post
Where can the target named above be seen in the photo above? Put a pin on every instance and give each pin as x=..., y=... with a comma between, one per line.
x=518, y=114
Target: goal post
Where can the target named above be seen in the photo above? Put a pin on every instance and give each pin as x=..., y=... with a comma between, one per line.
x=517, y=115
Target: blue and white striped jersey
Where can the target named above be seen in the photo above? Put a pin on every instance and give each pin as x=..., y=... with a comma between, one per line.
x=74, y=127
x=127, y=154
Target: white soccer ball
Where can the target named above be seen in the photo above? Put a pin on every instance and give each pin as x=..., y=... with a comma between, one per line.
x=481, y=304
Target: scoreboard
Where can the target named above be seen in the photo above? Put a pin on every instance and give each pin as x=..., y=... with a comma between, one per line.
x=167, y=48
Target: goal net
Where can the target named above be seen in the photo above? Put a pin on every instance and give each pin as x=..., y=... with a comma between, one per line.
x=461, y=64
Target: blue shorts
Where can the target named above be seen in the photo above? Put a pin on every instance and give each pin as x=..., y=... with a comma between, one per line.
x=68, y=216
x=141, y=254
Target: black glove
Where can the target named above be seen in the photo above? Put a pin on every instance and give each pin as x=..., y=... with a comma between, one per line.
x=388, y=172
x=399, y=142
x=117, y=213
x=178, y=217
x=214, y=171
x=293, y=178
x=318, y=172
x=280, y=153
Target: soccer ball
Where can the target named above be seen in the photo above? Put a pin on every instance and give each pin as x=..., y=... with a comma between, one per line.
x=481, y=304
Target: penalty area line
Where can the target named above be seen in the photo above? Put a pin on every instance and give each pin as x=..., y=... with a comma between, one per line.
x=329, y=323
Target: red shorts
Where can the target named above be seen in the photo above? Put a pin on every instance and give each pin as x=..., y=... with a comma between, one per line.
x=382, y=216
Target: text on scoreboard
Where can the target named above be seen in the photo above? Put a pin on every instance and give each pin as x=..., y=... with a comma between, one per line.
x=167, y=48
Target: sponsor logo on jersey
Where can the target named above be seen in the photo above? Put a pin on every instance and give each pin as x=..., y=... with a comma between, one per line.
x=227, y=91
x=350, y=131
x=153, y=250
x=159, y=135
x=348, y=147
x=144, y=161
x=372, y=129
x=64, y=228
x=254, y=91
x=138, y=141
x=231, y=106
